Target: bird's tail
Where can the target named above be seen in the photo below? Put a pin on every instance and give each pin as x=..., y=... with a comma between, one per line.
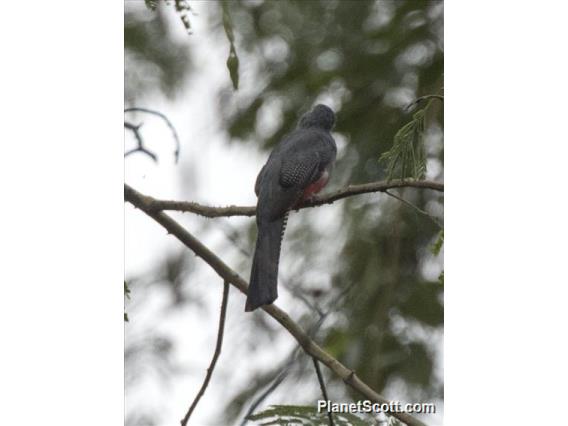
x=263, y=288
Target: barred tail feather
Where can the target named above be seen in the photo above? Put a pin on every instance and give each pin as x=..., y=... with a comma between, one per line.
x=263, y=287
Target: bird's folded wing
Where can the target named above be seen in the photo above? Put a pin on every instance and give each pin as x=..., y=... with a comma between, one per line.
x=299, y=170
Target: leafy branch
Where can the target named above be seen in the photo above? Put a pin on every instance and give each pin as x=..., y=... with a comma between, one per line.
x=407, y=152
x=407, y=156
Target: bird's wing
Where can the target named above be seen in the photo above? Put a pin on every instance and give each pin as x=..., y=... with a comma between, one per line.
x=299, y=169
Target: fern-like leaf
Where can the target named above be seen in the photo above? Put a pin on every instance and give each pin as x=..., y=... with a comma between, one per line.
x=407, y=157
x=284, y=415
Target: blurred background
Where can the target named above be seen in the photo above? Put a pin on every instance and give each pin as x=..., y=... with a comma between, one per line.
x=362, y=275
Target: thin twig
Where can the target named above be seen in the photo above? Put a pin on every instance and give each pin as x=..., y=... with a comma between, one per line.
x=349, y=377
x=423, y=98
x=418, y=209
x=380, y=186
x=168, y=122
x=323, y=389
x=139, y=142
x=215, y=355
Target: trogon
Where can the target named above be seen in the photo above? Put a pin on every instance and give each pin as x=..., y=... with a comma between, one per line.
x=296, y=170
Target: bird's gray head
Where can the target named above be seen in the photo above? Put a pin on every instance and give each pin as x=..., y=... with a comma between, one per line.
x=321, y=116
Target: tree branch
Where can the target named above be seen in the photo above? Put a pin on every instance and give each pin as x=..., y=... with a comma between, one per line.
x=139, y=142
x=365, y=188
x=215, y=355
x=166, y=120
x=310, y=347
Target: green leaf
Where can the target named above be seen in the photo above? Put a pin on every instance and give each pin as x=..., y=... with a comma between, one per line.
x=437, y=246
x=233, y=66
x=233, y=59
x=151, y=4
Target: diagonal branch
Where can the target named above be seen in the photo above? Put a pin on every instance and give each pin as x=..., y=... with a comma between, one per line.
x=215, y=355
x=310, y=347
x=365, y=188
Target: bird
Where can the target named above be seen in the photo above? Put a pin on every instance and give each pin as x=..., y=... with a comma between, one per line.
x=297, y=169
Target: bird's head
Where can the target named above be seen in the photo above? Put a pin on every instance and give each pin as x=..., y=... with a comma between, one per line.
x=320, y=116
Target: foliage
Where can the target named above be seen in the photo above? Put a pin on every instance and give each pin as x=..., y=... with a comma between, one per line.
x=154, y=59
x=408, y=150
x=233, y=59
x=438, y=243
x=436, y=248
x=285, y=415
